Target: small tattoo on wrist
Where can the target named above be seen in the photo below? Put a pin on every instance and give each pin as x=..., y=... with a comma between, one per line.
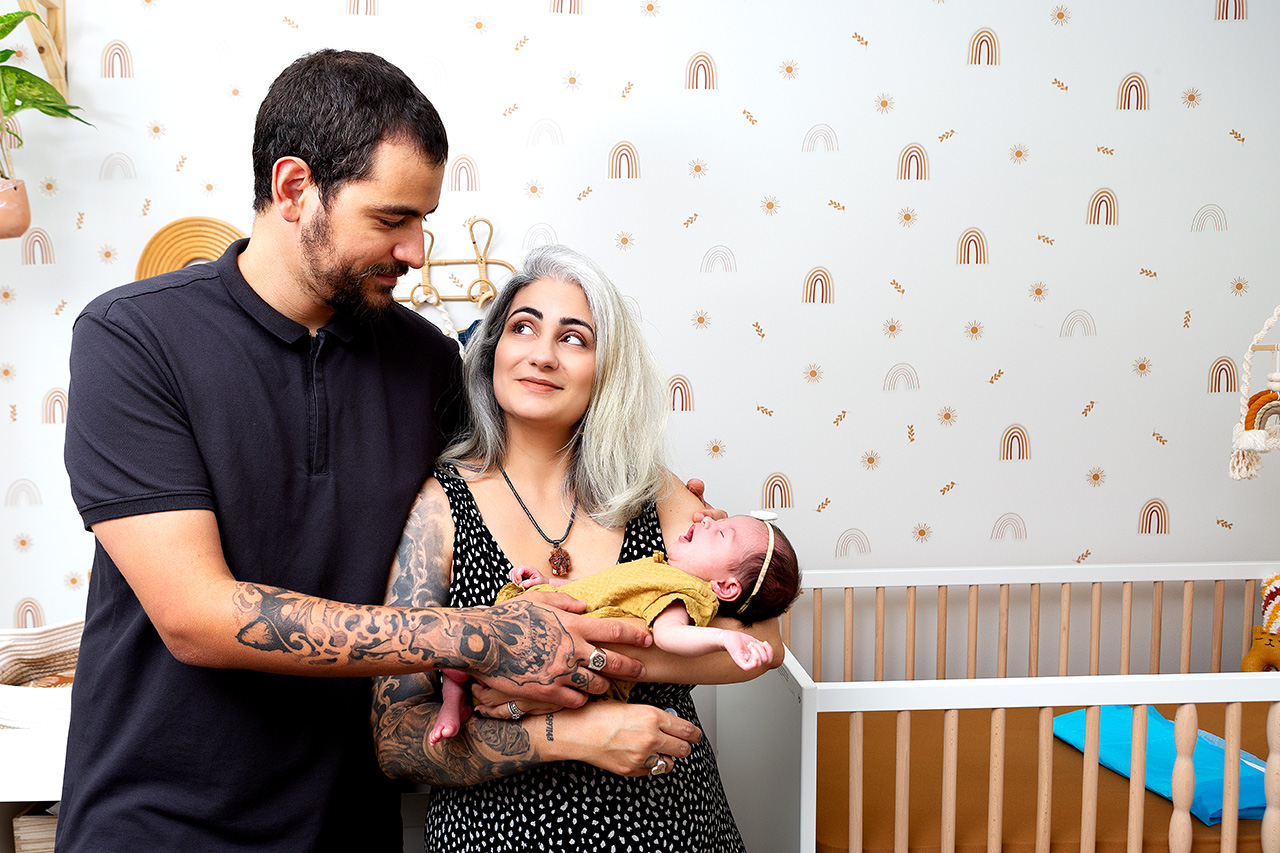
x=551, y=735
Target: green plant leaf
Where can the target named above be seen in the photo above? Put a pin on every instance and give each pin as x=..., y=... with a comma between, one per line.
x=21, y=90
x=5, y=54
x=10, y=20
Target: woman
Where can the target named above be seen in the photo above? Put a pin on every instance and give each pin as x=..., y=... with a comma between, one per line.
x=561, y=469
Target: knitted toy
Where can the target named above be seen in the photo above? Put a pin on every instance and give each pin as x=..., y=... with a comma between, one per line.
x=1252, y=437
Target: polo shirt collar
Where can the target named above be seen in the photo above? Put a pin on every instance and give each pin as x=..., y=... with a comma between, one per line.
x=289, y=331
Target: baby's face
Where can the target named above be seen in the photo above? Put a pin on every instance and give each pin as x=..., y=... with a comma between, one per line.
x=711, y=548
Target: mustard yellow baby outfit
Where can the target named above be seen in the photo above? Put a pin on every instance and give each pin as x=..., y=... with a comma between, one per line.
x=643, y=589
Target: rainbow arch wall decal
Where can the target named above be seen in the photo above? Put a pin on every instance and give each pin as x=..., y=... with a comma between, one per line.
x=574, y=6
x=1212, y=215
x=820, y=134
x=719, y=256
x=1155, y=518
x=913, y=163
x=623, y=162
x=1014, y=446
x=817, y=286
x=1222, y=376
x=545, y=130
x=700, y=72
x=22, y=491
x=1133, y=93
x=1078, y=321
x=354, y=7
x=1009, y=526
x=902, y=374
x=35, y=244
x=28, y=614
x=971, y=248
x=680, y=393
x=1102, y=208
x=539, y=234
x=117, y=164
x=116, y=60
x=855, y=539
x=776, y=492
x=1232, y=10
x=462, y=175
x=984, y=48
x=54, y=409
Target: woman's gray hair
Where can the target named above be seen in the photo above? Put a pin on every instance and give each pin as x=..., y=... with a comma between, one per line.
x=617, y=452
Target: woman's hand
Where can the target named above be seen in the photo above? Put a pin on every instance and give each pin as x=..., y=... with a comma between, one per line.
x=616, y=736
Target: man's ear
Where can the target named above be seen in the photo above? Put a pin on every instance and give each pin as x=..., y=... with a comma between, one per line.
x=727, y=589
x=290, y=180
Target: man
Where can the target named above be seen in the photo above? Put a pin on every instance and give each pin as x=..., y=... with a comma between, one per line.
x=245, y=439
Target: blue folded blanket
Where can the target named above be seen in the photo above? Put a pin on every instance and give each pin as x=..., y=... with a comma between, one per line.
x=1114, y=749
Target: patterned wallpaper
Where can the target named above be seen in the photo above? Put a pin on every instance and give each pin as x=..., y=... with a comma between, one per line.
x=943, y=282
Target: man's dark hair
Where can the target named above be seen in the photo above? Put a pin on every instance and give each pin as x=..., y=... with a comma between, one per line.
x=331, y=109
x=780, y=587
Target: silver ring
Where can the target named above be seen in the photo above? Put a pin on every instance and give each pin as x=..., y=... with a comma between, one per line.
x=597, y=660
x=516, y=713
x=660, y=768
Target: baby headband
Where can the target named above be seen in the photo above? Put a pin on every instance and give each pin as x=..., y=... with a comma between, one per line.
x=768, y=518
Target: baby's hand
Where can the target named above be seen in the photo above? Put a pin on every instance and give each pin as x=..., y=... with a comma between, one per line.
x=526, y=576
x=746, y=651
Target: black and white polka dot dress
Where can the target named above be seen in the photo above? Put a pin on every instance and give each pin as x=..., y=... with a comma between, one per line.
x=568, y=805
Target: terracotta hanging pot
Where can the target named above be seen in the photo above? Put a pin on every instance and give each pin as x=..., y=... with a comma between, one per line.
x=15, y=211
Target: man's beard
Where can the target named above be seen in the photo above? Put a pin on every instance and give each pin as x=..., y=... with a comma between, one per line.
x=342, y=287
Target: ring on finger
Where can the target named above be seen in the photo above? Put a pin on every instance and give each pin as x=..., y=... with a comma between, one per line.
x=515, y=711
x=661, y=765
x=597, y=660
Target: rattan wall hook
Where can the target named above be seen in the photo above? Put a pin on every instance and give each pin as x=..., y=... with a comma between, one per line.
x=427, y=293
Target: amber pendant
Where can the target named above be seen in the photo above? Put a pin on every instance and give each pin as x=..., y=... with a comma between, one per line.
x=559, y=561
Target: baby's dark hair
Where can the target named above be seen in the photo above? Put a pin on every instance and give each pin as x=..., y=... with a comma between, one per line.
x=780, y=587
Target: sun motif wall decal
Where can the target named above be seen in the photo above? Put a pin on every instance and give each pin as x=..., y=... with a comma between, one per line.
x=149, y=4
x=8, y=295
x=155, y=130
x=20, y=54
x=534, y=189
x=236, y=92
x=23, y=542
x=7, y=373
x=770, y=205
x=1019, y=153
x=973, y=330
x=701, y=320
x=947, y=416
x=49, y=187
x=1038, y=291
x=715, y=448
x=573, y=81
x=892, y=328
x=907, y=217
x=789, y=69
x=1142, y=366
x=1191, y=98
x=649, y=10
x=624, y=240
x=479, y=25
x=697, y=168
x=813, y=373
x=1060, y=16
x=1096, y=477
x=1239, y=286
x=107, y=254
x=884, y=103
x=73, y=581
x=208, y=188
x=921, y=532
x=871, y=460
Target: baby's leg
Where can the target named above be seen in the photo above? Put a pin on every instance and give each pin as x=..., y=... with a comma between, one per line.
x=454, y=706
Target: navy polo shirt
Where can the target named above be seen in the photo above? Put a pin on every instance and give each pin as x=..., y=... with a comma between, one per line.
x=188, y=391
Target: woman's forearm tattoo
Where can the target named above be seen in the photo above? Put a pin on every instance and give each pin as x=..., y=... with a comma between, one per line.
x=551, y=731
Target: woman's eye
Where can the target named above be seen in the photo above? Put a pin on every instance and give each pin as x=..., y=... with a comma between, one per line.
x=521, y=327
x=575, y=339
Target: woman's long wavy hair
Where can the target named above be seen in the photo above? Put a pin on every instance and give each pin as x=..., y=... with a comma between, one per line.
x=617, y=452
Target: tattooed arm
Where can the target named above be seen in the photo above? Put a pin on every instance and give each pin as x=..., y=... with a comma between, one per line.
x=208, y=618
x=618, y=737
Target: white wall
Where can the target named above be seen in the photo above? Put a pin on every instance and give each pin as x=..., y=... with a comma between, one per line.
x=199, y=70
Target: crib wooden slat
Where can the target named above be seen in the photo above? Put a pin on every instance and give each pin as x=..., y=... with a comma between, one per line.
x=995, y=783
x=1157, y=621
x=817, y=635
x=1231, y=780
x=902, y=786
x=1002, y=654
x=1246, y=638
x=950, y=773
x=1137, y=778
x=879, y=633
x=1064, y=628
x=942, y=634
x=1044, y=780
x=1185, y=724
x=1089, y=787
x=1033, y=653
x=1095, y=628
x=971, y=669
x=1271, y=784
x=848, y=634
x=855, y=782
x=1219, y=605
x=1188, y=610
x=910, y=672
x=1126, y=626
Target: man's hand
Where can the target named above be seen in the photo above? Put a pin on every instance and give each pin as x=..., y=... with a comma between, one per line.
x=539, y=647
x=697, y=487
